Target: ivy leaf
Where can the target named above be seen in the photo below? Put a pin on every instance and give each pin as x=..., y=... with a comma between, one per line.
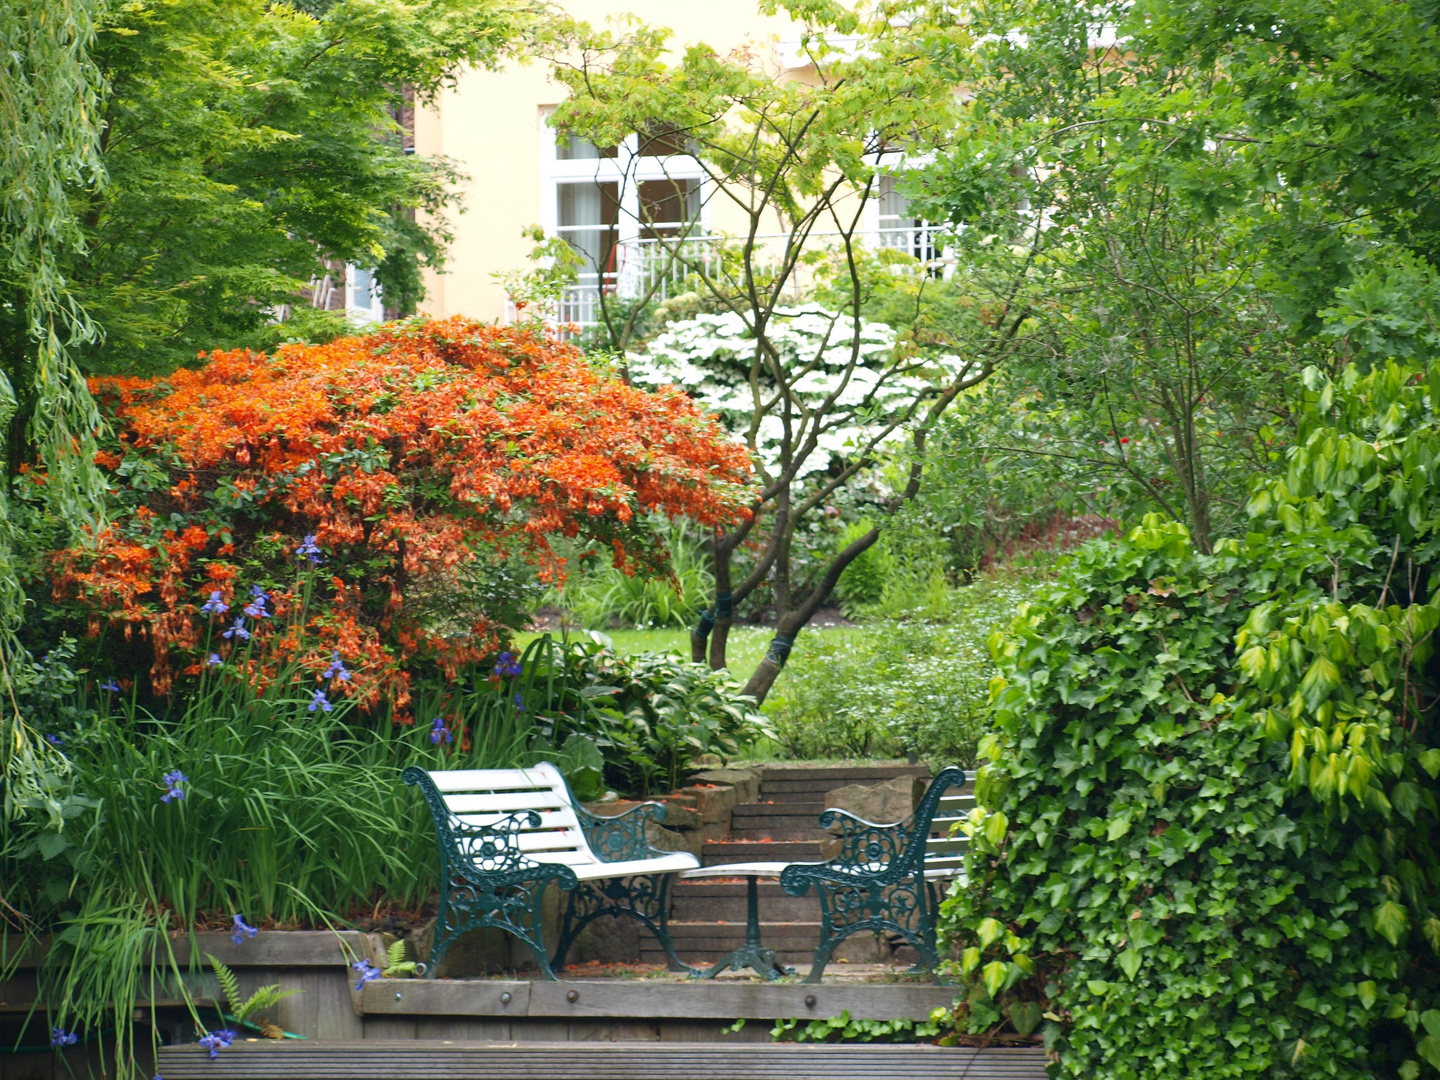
x=1320, y=680
x=1429, y=1049
x=1430, y=762
x=1129, y=962
x=969, y=959
x=1431, y=929
x=1391, y=920
x=1410, y=1070
x=994, y=828
x=1430, y=1018
x=988, y=931
x=994, y=975
x=1365, y=991
x=1025, y=1015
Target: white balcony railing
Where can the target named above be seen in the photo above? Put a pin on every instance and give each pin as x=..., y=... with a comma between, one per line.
x=658, y=269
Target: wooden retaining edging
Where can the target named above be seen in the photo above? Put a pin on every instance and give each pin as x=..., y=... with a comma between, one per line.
x=366, y=1060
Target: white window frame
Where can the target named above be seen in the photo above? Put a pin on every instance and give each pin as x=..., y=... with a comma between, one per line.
x=628, y=169
x=364, y=315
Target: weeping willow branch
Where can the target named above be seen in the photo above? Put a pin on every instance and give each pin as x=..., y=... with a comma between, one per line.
x=50, y=114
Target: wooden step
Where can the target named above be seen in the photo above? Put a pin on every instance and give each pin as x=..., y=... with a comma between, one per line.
x=719, y=852
x=725, y=901
x=441, y=1060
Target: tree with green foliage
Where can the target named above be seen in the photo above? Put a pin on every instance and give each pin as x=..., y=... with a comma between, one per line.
x=248, y=143
x=1208, y=815
x=817, y=404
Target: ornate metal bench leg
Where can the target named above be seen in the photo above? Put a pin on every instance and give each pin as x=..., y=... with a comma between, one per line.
x=662, y=931
x=828, y=941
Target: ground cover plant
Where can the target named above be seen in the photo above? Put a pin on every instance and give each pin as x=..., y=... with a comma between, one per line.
x=897, y=686
x=1206, y=841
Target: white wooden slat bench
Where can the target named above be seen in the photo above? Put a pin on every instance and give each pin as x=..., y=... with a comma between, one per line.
x=428, y=1060
x=506, y=835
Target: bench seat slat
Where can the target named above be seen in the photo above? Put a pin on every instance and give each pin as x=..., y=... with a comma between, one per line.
x=661, y=864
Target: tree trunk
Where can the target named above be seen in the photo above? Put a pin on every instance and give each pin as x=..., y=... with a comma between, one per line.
x=788, y=624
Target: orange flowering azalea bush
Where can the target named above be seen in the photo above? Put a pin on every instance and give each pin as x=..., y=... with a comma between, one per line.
x=369, y=501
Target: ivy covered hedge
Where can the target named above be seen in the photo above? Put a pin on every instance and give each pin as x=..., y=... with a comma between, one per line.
x=1207, y=824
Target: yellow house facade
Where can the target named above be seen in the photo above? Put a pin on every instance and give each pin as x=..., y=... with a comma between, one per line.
x=607, y=202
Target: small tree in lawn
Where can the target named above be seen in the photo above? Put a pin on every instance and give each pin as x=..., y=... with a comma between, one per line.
x=815, y=401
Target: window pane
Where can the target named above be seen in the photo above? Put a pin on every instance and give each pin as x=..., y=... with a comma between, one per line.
x=666, y=206
x=663, y=140
x=894, y=207
x=574, y=148
x=362, y=287
x=586, y=216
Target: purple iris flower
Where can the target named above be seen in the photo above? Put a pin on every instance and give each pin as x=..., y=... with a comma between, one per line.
x=507, y=664
x=319, y=701
x=336, y=670
x=242, y=931
x=215, y=660
x=309, y=550
x=111, y=685
x=214, y=606
x=519, y=701
x=368, y=972
x=256, y=608
x=439, y=731
x=61, y=1037
x=54, y=740
x=238, y=630
x=173, y=790
x=215, y=1041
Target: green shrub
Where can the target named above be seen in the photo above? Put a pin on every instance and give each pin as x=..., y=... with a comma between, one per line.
x=1211, y=800
x=864, y=580
x=649, y=714
x=606, y=598
x=896, y=686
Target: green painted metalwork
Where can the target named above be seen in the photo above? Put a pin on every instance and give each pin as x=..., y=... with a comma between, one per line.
x=622, y=837
x=752, y=954
x=876, y=881
x=487, y=881
x=642, y=897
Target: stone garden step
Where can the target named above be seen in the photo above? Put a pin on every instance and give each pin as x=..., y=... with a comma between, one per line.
x=833, y=776
x=719, y=852
x=724, y=901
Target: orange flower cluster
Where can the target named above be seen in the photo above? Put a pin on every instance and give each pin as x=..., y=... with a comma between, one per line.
x=407, y=454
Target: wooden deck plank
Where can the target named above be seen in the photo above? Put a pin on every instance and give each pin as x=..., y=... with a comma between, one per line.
x=635, y=1000
x=597, y=1061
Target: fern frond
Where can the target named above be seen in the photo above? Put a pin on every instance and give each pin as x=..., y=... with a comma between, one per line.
x=229, y=985
x=263, y=998
x=395, y=955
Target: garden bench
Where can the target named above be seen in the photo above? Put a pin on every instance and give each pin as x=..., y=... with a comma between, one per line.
x=506, y=835
x=887, y=877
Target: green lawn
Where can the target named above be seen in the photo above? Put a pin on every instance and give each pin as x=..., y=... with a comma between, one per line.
x=746, y=646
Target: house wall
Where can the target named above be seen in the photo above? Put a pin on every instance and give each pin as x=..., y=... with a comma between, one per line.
x=491, y=124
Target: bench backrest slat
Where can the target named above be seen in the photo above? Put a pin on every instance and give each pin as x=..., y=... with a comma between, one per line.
x=483, y=797
x=945, y=848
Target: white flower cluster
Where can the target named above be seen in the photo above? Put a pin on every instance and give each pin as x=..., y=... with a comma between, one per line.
x=710, y=358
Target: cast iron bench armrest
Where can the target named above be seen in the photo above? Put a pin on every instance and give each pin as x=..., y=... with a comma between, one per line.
x=621, y=838
x=877, y=880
